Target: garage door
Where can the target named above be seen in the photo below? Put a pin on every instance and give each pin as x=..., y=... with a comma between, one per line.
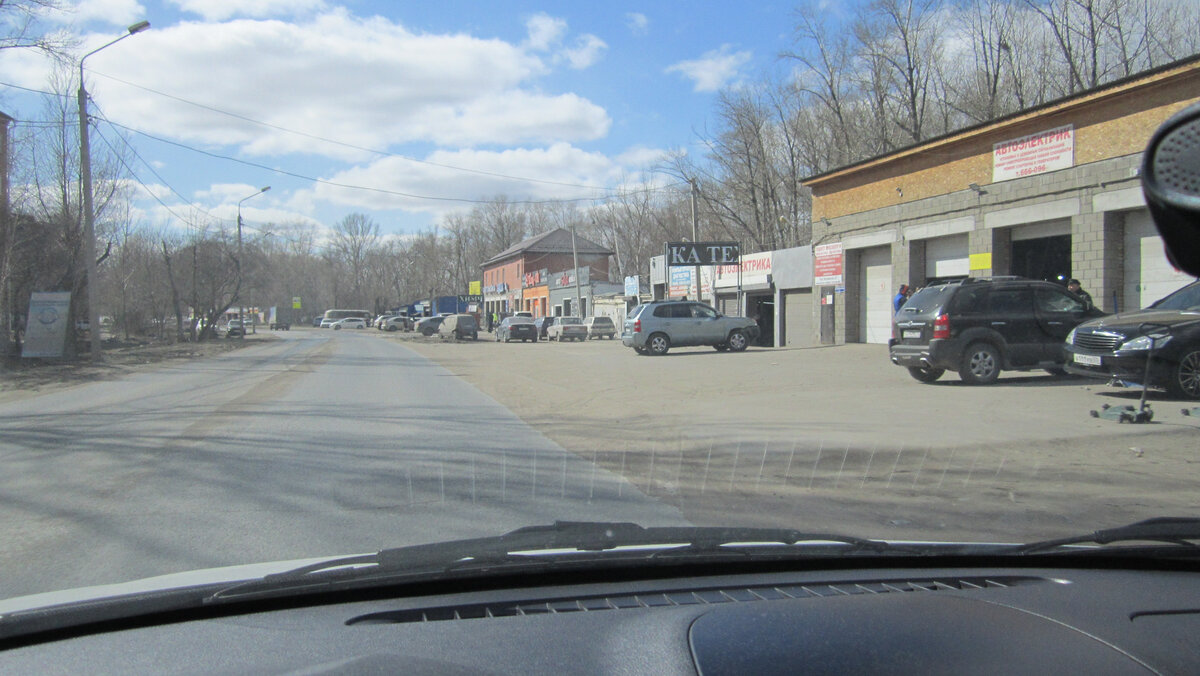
x=798, y=319
x=947, y=257
x=875, y=314
x=1148, y=275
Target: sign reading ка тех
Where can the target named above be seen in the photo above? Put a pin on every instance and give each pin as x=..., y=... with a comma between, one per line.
x=703, y=253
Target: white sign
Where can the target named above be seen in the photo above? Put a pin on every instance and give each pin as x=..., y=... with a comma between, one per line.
x=1038, y=153
x=756, y=268
x=631, y=285
x=46, y=328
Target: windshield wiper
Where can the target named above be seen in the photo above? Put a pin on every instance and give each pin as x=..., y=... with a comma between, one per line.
x=1181, y=531
x=530, y=544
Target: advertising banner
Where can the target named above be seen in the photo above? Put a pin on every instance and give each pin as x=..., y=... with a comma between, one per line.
x=46, y=328
x=827, y=264
x=681, y=282
x=1038, y=153
x=631, y=285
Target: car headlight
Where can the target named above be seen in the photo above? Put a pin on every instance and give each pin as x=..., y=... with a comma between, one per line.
x=1071, y=337
x=1145, y=343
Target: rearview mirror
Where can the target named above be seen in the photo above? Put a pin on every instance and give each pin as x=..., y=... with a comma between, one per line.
x=1171, y=183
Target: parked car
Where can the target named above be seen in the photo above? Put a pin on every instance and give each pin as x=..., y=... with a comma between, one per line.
x=981, y=326
x=523, y=314
x=656, y=327
x=516, y=328
x=566, y=328
x=396, y=323
x=542, y=324
x=316, y=322
x=233, y=328
x=281, y=326
x=459, y=327
x=1117, y=347
x=349, y=323
x=326, y=322
x=379, y=321
x=600, y=327
x=429, y=325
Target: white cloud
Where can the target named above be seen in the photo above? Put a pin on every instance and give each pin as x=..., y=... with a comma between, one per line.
x=366, y=82
x=640, y=157
x=587, y=50
x=545, y=31
x=638, y=23
x=557, y=164
x=219, y=10
x=713, y=70
x=114, y=12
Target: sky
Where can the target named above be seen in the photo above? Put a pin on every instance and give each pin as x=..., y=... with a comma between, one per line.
x=400, y=110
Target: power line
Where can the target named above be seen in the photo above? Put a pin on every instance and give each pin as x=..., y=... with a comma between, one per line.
x=343, y=144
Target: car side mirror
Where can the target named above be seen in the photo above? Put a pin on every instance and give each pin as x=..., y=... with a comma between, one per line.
x=1171, y=183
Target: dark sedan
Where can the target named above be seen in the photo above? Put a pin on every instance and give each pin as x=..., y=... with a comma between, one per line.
x=517, y=328
x=1116, y=347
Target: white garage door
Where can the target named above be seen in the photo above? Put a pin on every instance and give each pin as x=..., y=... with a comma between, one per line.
x=798, y=315
x=947, y=257
x=875, y=314
x=1148, y=275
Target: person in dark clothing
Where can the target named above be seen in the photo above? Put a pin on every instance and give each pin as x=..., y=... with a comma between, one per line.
x=1074, y=287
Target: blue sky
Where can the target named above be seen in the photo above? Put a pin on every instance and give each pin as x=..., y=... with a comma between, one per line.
x=570, y=94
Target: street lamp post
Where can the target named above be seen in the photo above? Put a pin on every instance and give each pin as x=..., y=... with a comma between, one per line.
x=241, y=309
x=89, y=216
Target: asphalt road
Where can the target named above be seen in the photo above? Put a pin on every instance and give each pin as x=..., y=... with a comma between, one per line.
x=319, y=443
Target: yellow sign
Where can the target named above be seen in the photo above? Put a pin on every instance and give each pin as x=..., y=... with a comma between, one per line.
x=981, y=261
x=474, y=288
x=296, y=303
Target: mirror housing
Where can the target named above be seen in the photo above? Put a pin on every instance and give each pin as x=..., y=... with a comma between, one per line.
x=1170, y=174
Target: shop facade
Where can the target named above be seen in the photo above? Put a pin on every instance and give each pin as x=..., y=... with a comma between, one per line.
x=1050, y=193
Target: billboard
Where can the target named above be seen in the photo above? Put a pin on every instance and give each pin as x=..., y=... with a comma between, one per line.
x=1038, y=153
x=703, y=253
x=827, y=266
x=46, y=328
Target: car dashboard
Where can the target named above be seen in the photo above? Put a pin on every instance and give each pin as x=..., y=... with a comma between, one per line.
x=882, y=620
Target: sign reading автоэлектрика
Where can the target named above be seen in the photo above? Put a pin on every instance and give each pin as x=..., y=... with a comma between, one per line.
x=1038, y=153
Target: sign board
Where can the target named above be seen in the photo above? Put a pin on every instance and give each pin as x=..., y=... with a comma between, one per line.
x=681, y=282
x=296, y=302
x=755, y=269
x=475, y=288
x=46, y=328
x=827, y=264
x=1038, y=153
x=632, y=285
x=470, y=298
x=657, y=270
x=703, y=253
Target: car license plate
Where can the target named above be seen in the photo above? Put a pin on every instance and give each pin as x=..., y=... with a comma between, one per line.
x=1087, y=359
x=915, y=333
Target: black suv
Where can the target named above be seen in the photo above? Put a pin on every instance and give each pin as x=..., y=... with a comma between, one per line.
x=981, y=326
x=1116, y=347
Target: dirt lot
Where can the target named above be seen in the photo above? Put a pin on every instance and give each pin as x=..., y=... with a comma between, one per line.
x=838, y=435
x=20, y=378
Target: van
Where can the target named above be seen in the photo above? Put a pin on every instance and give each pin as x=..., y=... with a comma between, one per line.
x=459, y=327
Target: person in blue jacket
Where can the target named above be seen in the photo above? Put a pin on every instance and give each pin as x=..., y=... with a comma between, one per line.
x=900, y=298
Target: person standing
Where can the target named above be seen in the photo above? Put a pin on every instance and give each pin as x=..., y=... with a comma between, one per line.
x=1074, y=287
x=900, y=298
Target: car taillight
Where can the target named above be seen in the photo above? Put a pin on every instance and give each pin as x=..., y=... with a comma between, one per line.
x=637, y=326
x=941, y=326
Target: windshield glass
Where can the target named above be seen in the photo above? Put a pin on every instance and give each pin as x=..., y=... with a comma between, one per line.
x=1185, y=299
x=760, y=213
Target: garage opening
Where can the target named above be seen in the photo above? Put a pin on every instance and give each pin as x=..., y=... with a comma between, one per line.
x=1042, y=251
x=761, y=308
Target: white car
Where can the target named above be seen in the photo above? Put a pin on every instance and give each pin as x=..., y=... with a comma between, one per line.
x=349, y=323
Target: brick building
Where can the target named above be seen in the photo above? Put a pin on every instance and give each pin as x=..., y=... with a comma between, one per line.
x=527, y=265
x=1050, y=193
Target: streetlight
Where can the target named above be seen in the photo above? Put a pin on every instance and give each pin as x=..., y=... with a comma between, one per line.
x=242, y=310
x=89, y=216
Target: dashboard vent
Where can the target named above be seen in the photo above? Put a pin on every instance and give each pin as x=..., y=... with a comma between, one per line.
x=688, y=597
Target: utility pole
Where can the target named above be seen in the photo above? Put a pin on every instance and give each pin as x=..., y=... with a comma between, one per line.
x=575, y=257
x=6, y=240
x=241, y=307
x=695, y=236
x=89, y=215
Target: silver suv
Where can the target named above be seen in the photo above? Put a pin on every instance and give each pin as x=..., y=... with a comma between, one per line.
x=654, y=328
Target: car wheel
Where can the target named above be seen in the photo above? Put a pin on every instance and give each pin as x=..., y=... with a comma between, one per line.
x=1057, y=372
x=980, y=364
x=641, y=351
x=658, y=344
x=1185, y=377
x=391, y=328
x=737, y=341
x=721, y=347
x=925, y=374
x=337, y=328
